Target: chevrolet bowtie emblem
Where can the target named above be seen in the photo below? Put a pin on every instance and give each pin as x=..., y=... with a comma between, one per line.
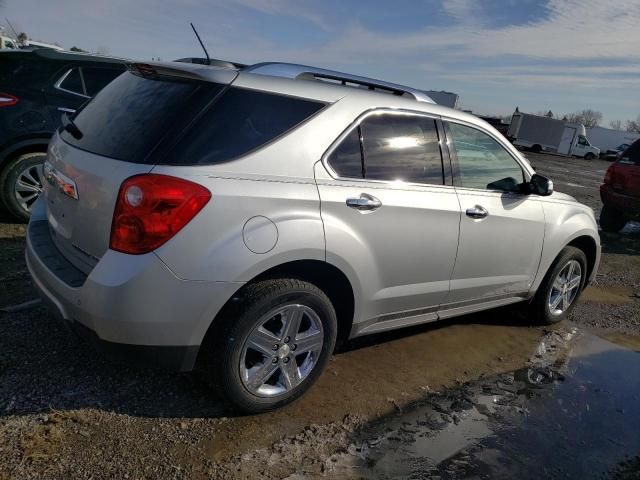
x=60, y=181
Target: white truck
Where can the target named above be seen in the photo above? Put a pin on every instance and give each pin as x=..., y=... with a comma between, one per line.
x=609, y=139
x=548, y=134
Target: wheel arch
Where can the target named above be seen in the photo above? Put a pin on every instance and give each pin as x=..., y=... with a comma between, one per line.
x=329, y=278
x=588, y=245
x=31, y=145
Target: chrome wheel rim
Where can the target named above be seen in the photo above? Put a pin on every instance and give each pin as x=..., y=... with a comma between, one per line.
x=282, y=350
x=28, y=186
x=565, y=288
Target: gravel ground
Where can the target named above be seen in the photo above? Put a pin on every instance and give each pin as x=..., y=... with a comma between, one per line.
x=65, y=412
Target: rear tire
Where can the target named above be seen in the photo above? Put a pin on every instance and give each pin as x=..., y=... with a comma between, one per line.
x=542, y=309
x=589, y=156
x=19, y=197
x=253, y=377
x=536, y=148
x=612, y=220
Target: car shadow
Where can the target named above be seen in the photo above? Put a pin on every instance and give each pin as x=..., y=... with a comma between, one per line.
x=44, y=368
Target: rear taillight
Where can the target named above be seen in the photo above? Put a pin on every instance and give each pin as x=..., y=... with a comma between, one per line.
x=610, y=175
x=7, y=100
x=151, y=209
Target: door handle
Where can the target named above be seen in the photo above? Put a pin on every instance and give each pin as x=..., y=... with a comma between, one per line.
x=477, y=212
x=66, y=110
x=364, y=202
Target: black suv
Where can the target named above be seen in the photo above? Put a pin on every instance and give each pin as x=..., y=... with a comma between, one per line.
x=36, y=87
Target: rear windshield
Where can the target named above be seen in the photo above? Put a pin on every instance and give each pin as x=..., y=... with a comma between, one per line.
x=132, y=115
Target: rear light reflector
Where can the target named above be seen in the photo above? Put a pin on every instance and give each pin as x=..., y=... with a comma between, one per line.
x=7, y=100
x=151, y=209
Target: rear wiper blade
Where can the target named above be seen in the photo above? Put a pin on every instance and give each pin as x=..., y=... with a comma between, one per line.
x=71, y=127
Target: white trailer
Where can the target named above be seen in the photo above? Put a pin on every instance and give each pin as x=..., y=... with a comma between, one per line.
x=609, y=139
x=7, y=43
x=548, y=134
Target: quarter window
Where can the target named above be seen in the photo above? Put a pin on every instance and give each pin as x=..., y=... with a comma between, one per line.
x=72, y=82
x=239, y=122
x=482, y=162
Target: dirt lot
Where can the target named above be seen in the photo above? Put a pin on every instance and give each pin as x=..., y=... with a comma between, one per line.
x=415, y=403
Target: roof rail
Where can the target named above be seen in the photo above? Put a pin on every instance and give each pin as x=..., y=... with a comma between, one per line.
x=304, y=72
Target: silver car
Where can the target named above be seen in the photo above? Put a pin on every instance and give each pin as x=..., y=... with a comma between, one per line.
x=246, y=220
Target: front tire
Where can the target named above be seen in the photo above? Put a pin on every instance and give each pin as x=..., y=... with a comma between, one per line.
x=589, y=156
x=21, y=184
x=612, y=220
x=270, y=345
x=561, y=287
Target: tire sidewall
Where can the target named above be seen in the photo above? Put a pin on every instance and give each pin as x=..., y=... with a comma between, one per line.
x=235, y=337
x=9, y=177
x=611, y=219
x=567, y=254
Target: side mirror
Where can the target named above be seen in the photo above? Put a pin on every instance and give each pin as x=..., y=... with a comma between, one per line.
x=540, y=185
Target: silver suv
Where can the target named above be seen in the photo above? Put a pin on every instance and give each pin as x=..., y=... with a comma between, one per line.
x=245, y=220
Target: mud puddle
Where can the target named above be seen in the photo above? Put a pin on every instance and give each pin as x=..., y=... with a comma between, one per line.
x=574, y=412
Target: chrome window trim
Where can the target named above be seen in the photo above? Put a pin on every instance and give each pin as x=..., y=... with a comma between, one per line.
x=387, y=183
x=63, y=78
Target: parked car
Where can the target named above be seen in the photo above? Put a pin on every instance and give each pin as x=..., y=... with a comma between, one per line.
x=247, y=220
x=36, y=87
x=613, y=154
x=620, y=192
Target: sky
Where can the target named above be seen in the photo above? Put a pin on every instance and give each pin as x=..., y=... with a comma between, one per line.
x=562, y=55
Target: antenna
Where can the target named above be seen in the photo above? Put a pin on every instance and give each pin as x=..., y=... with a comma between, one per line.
x=201, y=44
x=14, y=30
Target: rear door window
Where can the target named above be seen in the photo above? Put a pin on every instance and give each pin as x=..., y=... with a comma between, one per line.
x=95, y=79
x=240, y=122
x=403, y=148
x=132, y=114
x=346, y=158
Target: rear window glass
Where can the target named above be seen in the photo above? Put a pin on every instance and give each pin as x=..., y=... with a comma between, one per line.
x=631, y=154
x=130, y=117
x=240, y=121
x=95, y=79
x=25, y=70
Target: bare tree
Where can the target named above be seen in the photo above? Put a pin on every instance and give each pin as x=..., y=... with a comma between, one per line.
x=102, y=50
x=616, y=124
x=589, y=118
x=23, y=38
x=633, y=125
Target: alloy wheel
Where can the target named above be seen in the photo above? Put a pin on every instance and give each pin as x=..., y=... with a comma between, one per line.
x=28, y=186
x=282, y=350
x=565, y=288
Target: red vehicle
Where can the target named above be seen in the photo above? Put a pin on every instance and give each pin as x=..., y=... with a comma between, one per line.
x=620, y=191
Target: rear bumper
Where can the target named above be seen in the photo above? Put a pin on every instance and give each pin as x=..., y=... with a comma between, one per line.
x=628, y=204
x=129, y=304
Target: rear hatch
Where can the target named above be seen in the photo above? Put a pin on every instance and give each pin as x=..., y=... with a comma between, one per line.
x=123, y=131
